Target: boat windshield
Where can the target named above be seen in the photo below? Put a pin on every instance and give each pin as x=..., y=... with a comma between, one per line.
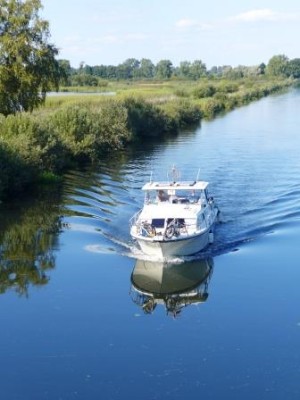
x=172, y=196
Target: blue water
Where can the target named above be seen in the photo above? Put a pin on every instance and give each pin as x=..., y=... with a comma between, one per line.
x=74, y=325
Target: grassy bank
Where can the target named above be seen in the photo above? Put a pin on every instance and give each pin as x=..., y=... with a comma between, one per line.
x=71, y=130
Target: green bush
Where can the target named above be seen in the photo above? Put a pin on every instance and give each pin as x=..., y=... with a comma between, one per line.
x=227, y=87
x=182, y=112
x=16, y=175
x=86, y=132
x=34, y=142
x=211, y=107
x=72, y=130
x=204, y=90
x=144, y=118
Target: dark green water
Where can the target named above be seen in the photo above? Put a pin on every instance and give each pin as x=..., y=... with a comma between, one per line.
x=85, y=316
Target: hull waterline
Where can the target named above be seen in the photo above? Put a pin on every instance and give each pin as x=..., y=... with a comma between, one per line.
x=177, y=218
x=175, y=247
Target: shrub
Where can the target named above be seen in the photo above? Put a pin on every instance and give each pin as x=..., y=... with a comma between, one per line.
x=15, y=174
x=205, y=90
x=211, y=107
x=86, y=132
x=34, y=142
x=144, y=118
x=182, y=112
x=227, y=87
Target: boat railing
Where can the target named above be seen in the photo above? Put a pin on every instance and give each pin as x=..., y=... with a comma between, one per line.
x=133, y=220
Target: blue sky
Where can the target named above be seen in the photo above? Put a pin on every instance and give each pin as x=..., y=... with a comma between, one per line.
x=218, y=32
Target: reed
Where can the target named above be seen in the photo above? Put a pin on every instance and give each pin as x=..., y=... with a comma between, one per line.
x=79, y=128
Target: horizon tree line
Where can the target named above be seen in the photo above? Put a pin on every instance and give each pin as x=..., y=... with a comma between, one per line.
x=133, y=69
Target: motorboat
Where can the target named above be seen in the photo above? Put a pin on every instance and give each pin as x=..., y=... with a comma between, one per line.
x=172, y=285
x=177, y=219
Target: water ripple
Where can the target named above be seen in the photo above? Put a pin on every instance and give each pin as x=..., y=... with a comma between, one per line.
x=254, y=177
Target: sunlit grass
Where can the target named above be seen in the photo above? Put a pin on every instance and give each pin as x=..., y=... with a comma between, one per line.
x=79, y=127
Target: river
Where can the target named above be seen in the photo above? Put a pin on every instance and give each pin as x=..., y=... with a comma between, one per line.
x=78, y=320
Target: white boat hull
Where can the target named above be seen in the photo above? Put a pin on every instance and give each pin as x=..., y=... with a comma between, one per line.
x=175, y=247
x=177, y=218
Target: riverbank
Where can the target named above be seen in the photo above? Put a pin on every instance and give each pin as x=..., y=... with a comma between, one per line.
x=73, y=130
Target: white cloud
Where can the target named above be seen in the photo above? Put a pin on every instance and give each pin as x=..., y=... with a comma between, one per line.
x=263, y=14
x=106, y=39
x=135, y=36
x=187, y=23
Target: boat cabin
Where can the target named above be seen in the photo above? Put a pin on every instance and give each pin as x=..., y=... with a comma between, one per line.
x=174, y=209
x=176, y=193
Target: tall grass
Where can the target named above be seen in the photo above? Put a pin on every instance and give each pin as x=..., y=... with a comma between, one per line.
x=70, y=130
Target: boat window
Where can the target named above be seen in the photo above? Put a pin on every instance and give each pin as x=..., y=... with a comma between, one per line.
x=158, y=222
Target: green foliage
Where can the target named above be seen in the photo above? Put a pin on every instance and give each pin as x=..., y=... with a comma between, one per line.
x=28, y=68
x=211, y=107
x=225, y=86
x=49, y=177
x=182, y=113
x=84, y=80
x=293, y=68
x=278, y=66
x=204, y=90
x=164, y=69
x=144, y=119
x=194, y=70
x=144, y=69
x=27, y=239
x=86, y=132
x=15, y=173
x=82, y=129
x=34, y=143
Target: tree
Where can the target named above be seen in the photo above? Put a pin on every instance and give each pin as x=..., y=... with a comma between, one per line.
x=198, y=69
x=184, y=69
x=127, y=69
x=278, y=65
x=146, y=69
x=28, y=68
x=164, y=69
x=294, y=68
x=84, y=79
x=66, y=71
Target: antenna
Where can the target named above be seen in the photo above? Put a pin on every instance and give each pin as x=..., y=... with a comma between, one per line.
x=198, y=175
x=173, y=174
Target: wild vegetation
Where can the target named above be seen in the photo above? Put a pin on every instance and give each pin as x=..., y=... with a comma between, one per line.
x=39, y=138
x=28, y=237
x=71, y=130
x=28, y=67
x=132, y=69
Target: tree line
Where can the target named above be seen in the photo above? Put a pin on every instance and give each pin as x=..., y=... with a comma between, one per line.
x=34, y=148
x=29, y=67
x=133, y=69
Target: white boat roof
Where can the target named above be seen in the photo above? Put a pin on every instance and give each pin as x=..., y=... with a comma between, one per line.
x=167, y=210
x=182, y=185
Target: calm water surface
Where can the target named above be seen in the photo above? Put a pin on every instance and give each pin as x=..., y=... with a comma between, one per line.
x=85, y=316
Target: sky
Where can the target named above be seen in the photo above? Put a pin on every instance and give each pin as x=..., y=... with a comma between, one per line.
x=217, y=32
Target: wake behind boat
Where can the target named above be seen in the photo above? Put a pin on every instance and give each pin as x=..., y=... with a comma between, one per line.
x=177, y=219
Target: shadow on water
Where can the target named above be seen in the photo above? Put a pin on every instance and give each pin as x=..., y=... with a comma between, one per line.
x=28, y=239
x=98, y=202
x=171, y=285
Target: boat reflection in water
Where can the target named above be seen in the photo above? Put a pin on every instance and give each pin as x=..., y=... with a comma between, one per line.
x=174, y=286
